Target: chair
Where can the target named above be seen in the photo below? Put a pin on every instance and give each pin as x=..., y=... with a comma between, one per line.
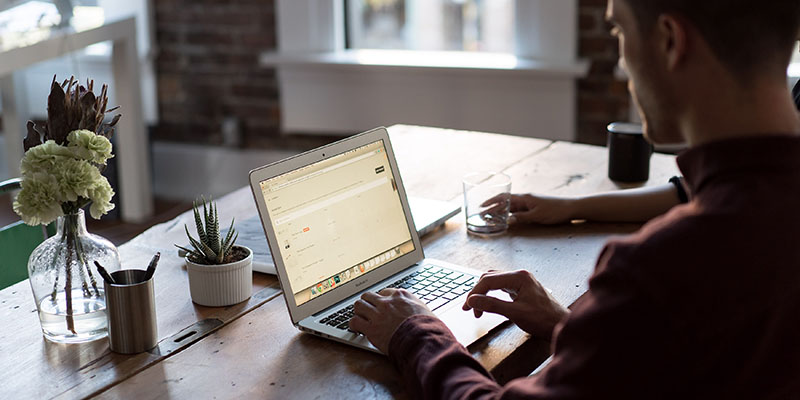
x=17, y=241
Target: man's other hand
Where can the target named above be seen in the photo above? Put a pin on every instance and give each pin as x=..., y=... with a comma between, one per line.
x=535, y=209
x=532, y=308
x=378, y=315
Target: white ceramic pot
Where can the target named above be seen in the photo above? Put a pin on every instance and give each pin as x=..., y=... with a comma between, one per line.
x=221, y=285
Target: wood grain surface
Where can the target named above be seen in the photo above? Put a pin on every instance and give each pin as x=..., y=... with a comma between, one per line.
x=32, y=367
x=261, y=355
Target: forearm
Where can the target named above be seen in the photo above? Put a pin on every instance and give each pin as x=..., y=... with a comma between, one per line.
x=632, y=205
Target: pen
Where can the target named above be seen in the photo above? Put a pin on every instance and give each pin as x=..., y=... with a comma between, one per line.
x=151, y=269
x=104, y=273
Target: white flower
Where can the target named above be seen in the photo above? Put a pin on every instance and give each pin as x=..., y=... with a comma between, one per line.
x=75, y=179
x=44, y=157
x=38, y=202
x=90, y=146
x=101, y=195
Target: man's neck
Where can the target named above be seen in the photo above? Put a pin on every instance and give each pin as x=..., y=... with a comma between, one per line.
x=735, y=112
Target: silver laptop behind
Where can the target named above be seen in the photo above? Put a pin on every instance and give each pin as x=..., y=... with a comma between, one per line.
x=338, y=224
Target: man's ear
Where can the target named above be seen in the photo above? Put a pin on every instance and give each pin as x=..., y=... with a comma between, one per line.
x=671, y=39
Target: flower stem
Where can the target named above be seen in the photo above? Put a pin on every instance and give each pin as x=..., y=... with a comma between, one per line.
x=55, y=259
x=68, y=283
x=85, y=264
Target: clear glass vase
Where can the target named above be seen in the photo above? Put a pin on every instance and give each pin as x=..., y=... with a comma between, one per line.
x=67, y=288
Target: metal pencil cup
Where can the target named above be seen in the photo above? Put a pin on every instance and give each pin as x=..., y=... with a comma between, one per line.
x=131, y=311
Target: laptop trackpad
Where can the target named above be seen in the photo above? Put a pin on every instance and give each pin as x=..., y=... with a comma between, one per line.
x=466, y=328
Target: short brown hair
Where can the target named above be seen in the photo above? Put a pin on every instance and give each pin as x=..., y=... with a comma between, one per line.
x=743, y=34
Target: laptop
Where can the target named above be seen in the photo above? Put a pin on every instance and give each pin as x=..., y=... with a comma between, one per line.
x=430, y=214
x=338, y=224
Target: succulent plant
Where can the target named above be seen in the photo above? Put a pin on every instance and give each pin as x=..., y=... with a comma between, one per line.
x=209, y=248
x=71, y=107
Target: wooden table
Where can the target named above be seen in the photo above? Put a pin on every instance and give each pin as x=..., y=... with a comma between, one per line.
x=252, y=349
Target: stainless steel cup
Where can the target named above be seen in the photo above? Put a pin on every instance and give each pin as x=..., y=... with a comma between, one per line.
x=131, y=312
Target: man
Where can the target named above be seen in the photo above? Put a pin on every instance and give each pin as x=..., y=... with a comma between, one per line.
x=701, y=302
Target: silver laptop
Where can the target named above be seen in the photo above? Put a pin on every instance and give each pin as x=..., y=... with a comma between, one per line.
x=338, y=224
x=430, y=214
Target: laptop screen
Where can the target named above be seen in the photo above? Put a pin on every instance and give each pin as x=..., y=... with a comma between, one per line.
x=336, y=219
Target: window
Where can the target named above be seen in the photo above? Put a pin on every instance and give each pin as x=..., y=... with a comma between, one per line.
x=333, y=85
x=26, y=22
x=439, y=25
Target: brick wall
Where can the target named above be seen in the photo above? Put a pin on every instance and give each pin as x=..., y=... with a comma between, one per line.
x=601, y=97
x=207, y=68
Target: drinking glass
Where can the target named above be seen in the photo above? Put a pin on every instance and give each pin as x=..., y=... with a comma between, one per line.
x=487, y=200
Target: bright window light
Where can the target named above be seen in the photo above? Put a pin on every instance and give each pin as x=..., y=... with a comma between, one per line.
x=26, y=23
x=434, y=25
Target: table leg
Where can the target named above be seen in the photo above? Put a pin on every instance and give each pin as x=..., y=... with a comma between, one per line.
x=132, y=152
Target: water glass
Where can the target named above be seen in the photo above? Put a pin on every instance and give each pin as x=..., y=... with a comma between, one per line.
x=487, y=201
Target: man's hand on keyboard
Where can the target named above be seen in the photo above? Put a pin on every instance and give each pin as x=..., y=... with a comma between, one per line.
x=379, y=315
x=532, y=308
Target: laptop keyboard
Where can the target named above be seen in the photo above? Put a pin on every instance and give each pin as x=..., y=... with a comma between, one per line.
x=436, y=286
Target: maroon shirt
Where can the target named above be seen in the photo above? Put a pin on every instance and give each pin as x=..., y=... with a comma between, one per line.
x=703, y=302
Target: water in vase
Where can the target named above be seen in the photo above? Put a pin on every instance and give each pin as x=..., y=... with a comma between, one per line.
x=88, y=317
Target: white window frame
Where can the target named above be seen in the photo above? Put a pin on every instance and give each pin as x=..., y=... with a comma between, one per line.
x=328, y=89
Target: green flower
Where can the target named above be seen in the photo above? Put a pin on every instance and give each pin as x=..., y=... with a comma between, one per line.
x=44, y=157
x=76, y=178
x=89, y=146
x=101, y=195
x=38, y=202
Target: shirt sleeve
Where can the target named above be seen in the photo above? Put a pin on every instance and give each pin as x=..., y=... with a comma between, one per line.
x=434, y=364
x=599, y=351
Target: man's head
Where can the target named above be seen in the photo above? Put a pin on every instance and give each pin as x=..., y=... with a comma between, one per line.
x=673, y=48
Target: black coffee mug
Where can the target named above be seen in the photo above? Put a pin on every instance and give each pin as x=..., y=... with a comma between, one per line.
x=628, y=153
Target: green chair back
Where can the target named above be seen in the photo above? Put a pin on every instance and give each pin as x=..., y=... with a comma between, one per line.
x=17, y=241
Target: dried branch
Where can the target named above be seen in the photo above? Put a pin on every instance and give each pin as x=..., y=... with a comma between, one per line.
x=33, y=138
x=57, y=124
x=88, y=112
x=71, y=106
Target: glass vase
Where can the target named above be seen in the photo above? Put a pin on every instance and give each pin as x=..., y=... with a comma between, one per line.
x=67, y=288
